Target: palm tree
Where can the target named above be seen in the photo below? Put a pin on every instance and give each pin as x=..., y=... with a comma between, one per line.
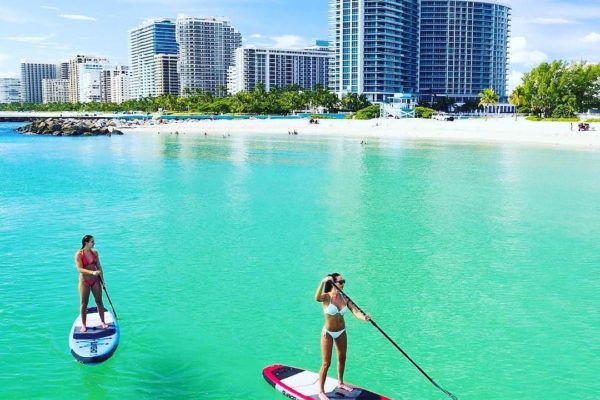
x=488, y=98
x=517, y=98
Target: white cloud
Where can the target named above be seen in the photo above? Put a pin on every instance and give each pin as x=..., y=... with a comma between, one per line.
x=77, y=17
x=29, y=39
x=528, y=58
x=288, y=41
x=514, y=80
x=50, y=8
x=256, y=36
x=520, y=54
x=591, y=38
x=518, y=43
x=4, y=57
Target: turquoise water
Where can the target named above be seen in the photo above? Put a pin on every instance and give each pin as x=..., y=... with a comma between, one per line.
x=481, y=261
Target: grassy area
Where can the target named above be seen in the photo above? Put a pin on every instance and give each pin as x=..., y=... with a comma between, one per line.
x=590, y=120
x=538, y=119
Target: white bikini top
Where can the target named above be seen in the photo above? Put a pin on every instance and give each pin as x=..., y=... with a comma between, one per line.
x=331, y=309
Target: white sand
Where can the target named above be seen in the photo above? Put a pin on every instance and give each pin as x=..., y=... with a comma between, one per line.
x=493, y=130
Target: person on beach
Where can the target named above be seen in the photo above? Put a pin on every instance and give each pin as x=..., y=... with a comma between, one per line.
x=335, y=305
x=87, y=262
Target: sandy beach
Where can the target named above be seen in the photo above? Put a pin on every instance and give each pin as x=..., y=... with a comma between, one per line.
x=492, y=130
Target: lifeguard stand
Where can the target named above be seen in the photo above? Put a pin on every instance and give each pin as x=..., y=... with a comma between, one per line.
x=400, y=105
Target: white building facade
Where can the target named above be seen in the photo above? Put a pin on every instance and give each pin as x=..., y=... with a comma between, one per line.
x=273, y=67
x=115, y=84
x=206, y=51
x=10, y=90
x=85, y=78
x=55, y=91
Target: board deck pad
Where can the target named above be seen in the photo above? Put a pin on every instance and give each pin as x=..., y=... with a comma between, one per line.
x=300, y=384
x=96, y=344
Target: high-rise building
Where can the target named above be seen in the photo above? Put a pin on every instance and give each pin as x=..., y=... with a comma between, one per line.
x=62, y=70
x=166, y=76
x=55, y=91
x=375, y=47
x=115, y=84
x=150, y=39
x=463, y=47
x=206, y=51
x=278, y=67
x=32, y=75
x=85, y=78
x=10, y=90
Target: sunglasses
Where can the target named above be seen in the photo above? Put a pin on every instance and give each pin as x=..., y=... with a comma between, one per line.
x=342, y=281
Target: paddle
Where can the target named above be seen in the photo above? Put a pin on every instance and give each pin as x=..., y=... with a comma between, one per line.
x=453, y=397
x=107, y=296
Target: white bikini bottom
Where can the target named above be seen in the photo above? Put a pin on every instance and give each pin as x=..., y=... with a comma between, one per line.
x=334, y=335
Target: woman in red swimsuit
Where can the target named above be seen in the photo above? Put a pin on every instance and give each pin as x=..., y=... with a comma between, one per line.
x=87, y=262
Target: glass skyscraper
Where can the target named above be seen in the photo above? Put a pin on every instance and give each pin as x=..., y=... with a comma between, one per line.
x=375, y=47
x=153, y=37
x=463, y=48
x=32, y=75
x=453, y=48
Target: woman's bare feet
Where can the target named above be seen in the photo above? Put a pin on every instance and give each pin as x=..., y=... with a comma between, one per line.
x=322, y=396
x=347, y=388
x=103, y=325
x=83, y=329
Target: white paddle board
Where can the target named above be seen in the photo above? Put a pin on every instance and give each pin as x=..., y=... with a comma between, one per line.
x=96, y=344
x=300, y=384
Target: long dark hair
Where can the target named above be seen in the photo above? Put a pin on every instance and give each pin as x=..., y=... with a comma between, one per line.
x=85, y=240
x=328, y=284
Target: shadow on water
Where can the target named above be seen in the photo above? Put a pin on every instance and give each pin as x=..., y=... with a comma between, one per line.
x=171, y=377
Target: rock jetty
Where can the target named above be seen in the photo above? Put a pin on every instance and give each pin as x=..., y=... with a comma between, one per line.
x=71, y=127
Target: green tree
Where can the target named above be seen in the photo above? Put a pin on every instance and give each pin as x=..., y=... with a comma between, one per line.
x=354, y=102
x=488, y=97
x=545, y=87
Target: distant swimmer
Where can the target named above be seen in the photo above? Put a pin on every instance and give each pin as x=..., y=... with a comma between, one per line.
x=335, y=305
x=87, y=262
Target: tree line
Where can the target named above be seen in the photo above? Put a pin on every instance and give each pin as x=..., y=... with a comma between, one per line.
x=258, y=101
x=558, y=89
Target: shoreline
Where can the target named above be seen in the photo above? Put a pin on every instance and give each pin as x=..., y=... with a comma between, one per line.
x=471, y=131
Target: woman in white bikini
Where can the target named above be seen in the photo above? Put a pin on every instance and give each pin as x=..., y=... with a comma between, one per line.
x=335, y=305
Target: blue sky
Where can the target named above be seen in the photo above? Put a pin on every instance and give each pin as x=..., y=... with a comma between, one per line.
x=54, y=30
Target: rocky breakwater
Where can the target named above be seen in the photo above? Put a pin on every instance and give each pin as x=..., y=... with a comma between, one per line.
x=71, y=127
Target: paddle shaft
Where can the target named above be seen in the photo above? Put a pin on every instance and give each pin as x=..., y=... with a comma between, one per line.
x=107, y=296
x=434, y=383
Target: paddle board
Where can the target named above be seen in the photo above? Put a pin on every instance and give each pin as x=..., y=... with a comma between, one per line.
x=96, y=344
x=300, y=384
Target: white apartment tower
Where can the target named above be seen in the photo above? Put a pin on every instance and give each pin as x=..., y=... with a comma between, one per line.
x=206, y=51
x=152, y=38
x=85, y=78
x=32, y=75
x=115, y=84
x=55, y=91
x=305, y=68
x=10, y=90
